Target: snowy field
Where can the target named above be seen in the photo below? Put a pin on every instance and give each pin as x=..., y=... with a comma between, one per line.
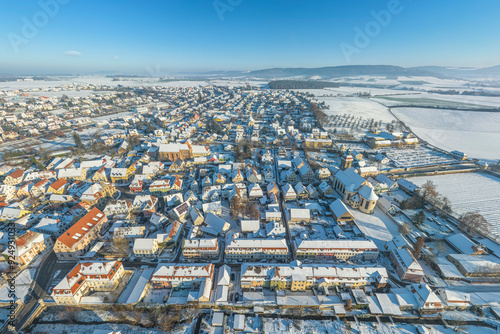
x=358, y=107
x=469, y=192
x=275, y=326
x=475, y=133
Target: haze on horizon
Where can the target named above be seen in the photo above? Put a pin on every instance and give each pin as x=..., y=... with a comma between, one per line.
x=68, y=37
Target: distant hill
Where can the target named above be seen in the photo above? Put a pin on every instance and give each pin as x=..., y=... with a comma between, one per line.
x=340, y=71
x=301, y=84
x=485, y=73
x=331, y=72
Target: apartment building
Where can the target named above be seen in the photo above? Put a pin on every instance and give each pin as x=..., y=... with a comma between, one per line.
x=86, y=277
x=78, y=239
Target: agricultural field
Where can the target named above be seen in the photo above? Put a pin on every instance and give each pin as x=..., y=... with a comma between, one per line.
x=469, y=192
x=473, y=132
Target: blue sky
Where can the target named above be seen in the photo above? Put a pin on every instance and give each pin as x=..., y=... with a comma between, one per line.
x=171, y=36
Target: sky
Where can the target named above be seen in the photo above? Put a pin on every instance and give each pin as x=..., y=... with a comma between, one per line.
x=173, y=36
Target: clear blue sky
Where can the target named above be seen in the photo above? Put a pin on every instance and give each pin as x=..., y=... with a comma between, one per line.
x=183, y=35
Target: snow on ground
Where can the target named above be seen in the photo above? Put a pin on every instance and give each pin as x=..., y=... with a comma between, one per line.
x=473, y=132
x=275, y=326
x=469, y=192
x=92, y=329
x=377, y=226
x=358, y=107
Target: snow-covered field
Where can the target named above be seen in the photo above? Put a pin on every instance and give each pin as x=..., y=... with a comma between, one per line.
x=275, y=326
x=473, y=132
x=358, y=107
x=470, y=192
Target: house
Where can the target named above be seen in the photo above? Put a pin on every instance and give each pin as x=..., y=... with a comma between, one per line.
x=275, y=229
x=100, y=175
x=255, y=191
x=306, y=174
x=118, y=207
x=74, y=174
x=249, y=226
x=428, y=301
x=7, y=192
x=391, y=184
x=340, y=212
x=146, y=204
x=289, y=176
x=323, y=174
x=86, y=277
x=252, y=176
x=311, y=190
x=454, y=299
x=300, y=277
x=159, y=187
x=382, y=159
x=368, y=171
x=181, y=276
x=216, y=224
x=272, y=189
x=138, y=184
x=57, y=187
x=257, y=249
x=300, y=215
x=325, y=190
x=14, y=177
x=212, y=207
x=301, y=191
x=131, y=232
x=407, y=186
x=288, y=193
x=200, y=248
x=476, y=265
x=180, y=211
x=336, y=249
x=219, y=179
x=196, y=216
x=78, y=239
x=407, y=267
x=29, y=245
x=238, y=177
x=145, y=247
x=177, y=165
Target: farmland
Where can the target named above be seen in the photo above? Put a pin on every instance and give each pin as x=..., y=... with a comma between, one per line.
x=475, y=133
x=470, y=192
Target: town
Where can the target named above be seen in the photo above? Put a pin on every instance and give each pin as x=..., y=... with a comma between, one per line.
x=231, y=206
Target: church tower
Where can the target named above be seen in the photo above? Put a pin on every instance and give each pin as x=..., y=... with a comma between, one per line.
x=346, y=160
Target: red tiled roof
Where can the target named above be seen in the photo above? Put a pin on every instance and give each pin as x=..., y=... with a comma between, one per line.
x=58, y=184
x=86, y=222
x=17, y=173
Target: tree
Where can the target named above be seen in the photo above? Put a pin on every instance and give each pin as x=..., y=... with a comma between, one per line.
x=404, y=228
x=428, y=191
x=439, y=247
x=121, y=245
x=473, y=222
x=419, y=218
x=78, y=140
x=417, y=247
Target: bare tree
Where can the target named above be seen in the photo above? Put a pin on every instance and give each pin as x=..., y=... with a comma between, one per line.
x=428, y=191
x=404, y=228
x=121, y=245
x=473, y=222
x=439, y=247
